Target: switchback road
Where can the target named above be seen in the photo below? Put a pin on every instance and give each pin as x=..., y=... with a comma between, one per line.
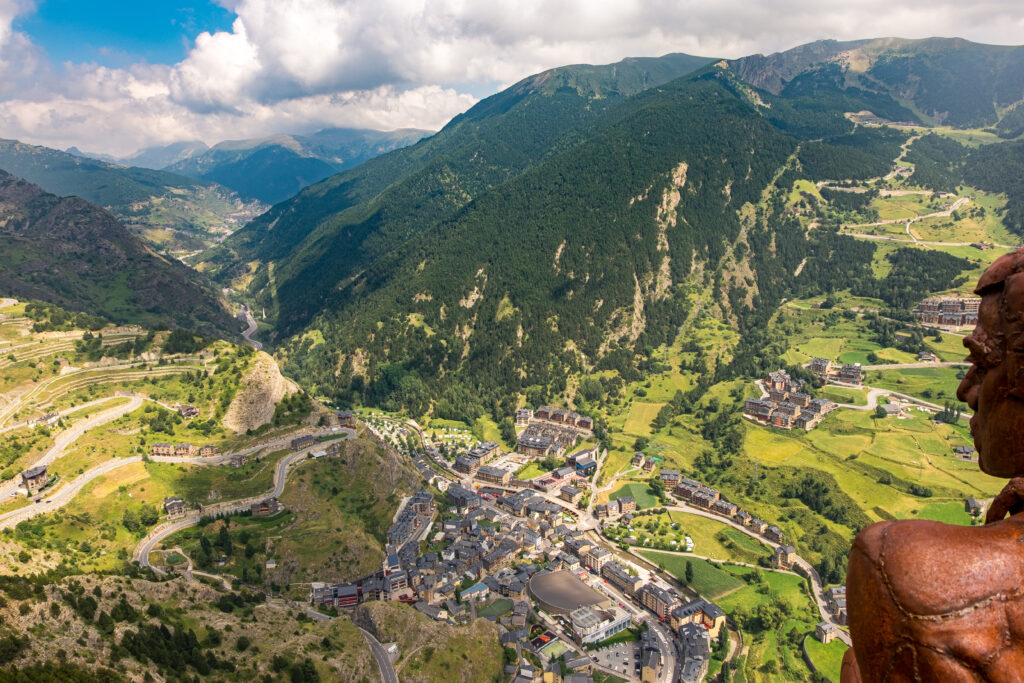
x=68, y=437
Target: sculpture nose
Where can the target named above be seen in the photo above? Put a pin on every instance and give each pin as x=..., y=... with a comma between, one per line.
x=968, y=389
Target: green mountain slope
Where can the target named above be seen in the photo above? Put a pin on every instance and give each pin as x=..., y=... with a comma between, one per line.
x=277, y=168
x=165, y=209
x=75, y=254
x=568, y=223
x=323, y=236
x=581, y=261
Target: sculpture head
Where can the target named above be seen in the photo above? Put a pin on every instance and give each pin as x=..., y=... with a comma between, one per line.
x=994, y=386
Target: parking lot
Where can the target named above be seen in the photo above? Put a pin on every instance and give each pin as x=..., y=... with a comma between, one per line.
x=623, y=659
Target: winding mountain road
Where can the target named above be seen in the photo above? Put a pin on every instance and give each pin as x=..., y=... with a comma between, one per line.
x=159, y=533
x=387, y=670
x=251, y=330
x=68, y=437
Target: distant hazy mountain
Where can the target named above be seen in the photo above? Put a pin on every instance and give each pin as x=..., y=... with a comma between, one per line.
x=170, y=211
x=276, y=168
x=943, y=80
x=161, y=157
x=75, y=254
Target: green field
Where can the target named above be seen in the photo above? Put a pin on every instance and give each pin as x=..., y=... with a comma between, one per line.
x=859, y=450
x=640, y=416
x=641, y=493
x=949, y=513
x=827, y=658
x=530, y=471
x=853, y=397
x=709, y=580
x=718, y=540
x=931, y=384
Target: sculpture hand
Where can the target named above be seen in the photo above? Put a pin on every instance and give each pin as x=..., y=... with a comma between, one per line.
x=1010, y=500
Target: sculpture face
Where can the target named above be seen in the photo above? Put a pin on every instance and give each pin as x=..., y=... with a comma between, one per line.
x=994, y=386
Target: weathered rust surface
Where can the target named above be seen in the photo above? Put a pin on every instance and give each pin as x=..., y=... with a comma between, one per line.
x=936, y=602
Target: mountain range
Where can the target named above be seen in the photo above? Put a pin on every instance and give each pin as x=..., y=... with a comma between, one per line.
x=269, y=169
x=566, y=222
x=572, y=221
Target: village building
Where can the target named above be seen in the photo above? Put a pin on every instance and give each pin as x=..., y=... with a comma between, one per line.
x=657, y=599
x=300, y=442
x=686, y=488
x=650, y=657
x=773, y=533
x=187, y=412
x=266, y=508
x=670, y=477
x=570, y=494
x=596, y=557
x=34, y=479
x=784, y=557
x=627, y=504
x=851, y=374
x=184, y=450
x=174, y=506
x=161, y=449
x=494, y=475
x=694, y=652
x=585, y=466
x=467, y=464
x=208, y=451
x=705, y=497
x=948, y=311
x=724, y=508
x=523, y=417
x=618, y=575
x=534, y=446
x=700, y=612
x=346, y=418
x=826, y=632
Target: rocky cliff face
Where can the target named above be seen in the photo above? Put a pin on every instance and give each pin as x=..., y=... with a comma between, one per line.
x=262, y=387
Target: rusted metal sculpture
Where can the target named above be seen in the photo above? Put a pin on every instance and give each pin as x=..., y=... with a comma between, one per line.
x=935, y=602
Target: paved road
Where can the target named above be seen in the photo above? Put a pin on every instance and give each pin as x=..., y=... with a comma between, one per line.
x=892, y=221
x=68, y=437
x=63, y=495
x=905, y=366
x=66, y=411
x=387, y=670
x=251, y=330
x=159, y=533
x=874, y=393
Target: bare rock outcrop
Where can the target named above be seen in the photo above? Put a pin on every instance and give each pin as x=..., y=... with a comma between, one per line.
x=262, y=388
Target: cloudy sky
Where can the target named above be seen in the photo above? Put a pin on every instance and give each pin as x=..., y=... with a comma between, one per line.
x=116, y=75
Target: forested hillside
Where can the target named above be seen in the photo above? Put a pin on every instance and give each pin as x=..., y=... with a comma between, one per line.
x=574, y=221
x=333, y=226
x=74, y=254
